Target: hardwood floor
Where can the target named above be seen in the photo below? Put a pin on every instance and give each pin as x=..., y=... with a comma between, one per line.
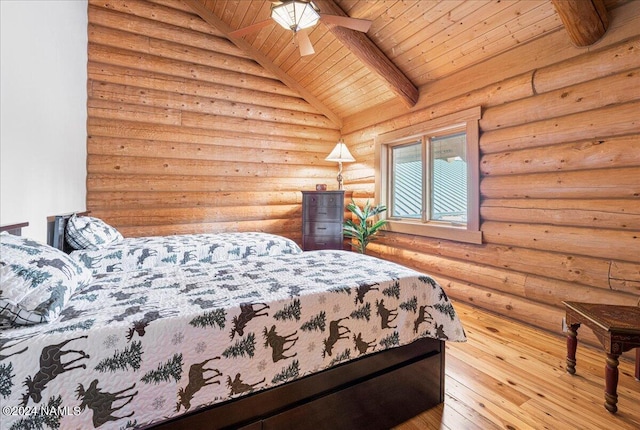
x=510, y=376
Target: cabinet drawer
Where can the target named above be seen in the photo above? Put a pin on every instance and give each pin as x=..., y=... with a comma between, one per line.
x=322, y=228
x=311, y=243
x=323, y=213
x=323, y=200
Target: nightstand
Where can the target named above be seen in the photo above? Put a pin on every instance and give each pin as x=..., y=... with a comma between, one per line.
x=322, y=219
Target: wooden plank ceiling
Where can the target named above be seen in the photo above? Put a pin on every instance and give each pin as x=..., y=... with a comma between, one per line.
x=425, y=39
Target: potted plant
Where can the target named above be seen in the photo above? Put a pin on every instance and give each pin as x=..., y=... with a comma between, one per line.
x=365, y=228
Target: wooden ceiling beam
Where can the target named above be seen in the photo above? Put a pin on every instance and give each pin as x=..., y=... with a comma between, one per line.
x=208, y=16
x=371, y=55
x=585, y=21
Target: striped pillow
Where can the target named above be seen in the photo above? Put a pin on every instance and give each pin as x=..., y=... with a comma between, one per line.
x=85, y=232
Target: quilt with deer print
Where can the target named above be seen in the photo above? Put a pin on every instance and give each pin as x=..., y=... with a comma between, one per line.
x=135, y=253
x=134, y=348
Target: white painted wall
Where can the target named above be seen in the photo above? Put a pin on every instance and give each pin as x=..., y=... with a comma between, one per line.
x=43, y=72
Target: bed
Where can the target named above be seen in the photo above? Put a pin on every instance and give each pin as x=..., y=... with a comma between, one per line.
x=325, y=339
x=125, y=254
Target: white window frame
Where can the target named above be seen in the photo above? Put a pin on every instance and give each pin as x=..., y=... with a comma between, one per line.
x=466, y=121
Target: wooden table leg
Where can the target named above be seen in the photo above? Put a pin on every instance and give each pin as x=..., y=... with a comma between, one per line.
x=572, y=344
x=611, y=383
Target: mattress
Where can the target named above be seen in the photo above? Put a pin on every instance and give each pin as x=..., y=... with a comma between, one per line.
x=147, y=252
x=139, y=347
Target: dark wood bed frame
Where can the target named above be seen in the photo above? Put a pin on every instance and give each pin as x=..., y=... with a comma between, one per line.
x=15, y=229
x=378, y=391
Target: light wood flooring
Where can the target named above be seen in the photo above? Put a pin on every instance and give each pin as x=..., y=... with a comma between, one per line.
x=511, y=376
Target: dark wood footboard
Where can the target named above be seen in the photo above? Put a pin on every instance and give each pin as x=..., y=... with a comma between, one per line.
x=15, y=229
x=375, y=392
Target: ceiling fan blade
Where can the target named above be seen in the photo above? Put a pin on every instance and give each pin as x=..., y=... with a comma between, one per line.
x=357, y=24
x=304, y=43
x=251, y=28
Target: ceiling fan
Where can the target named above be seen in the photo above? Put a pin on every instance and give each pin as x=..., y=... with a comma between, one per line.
x=298, y=15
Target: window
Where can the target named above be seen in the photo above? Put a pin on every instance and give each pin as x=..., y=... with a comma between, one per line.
x=429, y=177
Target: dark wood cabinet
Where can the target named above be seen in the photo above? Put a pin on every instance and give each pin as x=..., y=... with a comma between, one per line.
x=322, y=219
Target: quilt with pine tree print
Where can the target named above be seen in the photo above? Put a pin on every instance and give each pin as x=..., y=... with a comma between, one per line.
x=135, y=253
x=134, y=348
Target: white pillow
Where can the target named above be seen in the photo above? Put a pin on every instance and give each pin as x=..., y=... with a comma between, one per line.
x=36, y=281
x=85, y=232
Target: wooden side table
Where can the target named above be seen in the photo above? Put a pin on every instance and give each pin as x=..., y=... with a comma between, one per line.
x=617, y=328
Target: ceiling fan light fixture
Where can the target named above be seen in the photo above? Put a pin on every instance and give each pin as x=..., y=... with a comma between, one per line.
x=295, y=14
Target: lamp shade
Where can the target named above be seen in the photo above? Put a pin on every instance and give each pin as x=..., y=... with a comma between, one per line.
x=295, y=14
x=340, y=154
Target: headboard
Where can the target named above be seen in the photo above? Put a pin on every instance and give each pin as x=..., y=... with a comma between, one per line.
x=15, y=229
x=56, y=229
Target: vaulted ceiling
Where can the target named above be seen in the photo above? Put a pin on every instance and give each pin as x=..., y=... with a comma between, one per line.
x=425, y=40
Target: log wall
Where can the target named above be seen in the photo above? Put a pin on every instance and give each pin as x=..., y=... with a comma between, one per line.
x=560, y=176
x=186, y=134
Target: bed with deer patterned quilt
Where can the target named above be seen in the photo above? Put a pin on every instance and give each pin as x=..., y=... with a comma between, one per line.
x=147, y=252
x=110, y=252
x=140, y=348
